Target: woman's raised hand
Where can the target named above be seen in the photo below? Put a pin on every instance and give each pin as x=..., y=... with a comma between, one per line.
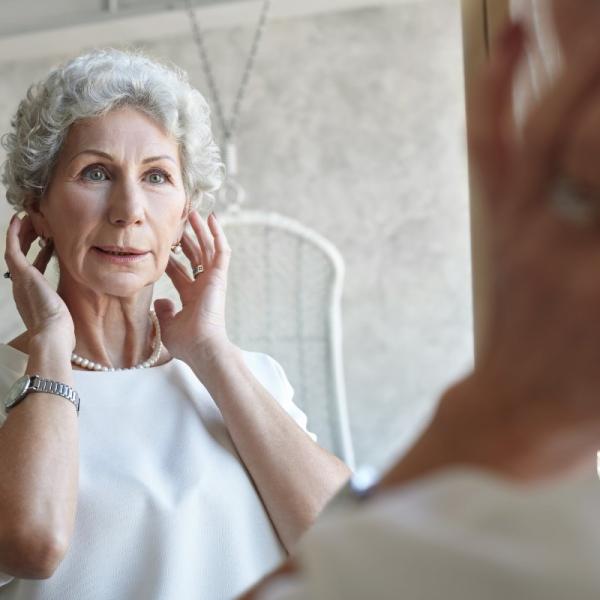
x=538, y=373
x=41, y=308
x=530, y=409
x=198, y=329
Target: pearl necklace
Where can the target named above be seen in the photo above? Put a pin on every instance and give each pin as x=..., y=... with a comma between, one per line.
x=80, y=361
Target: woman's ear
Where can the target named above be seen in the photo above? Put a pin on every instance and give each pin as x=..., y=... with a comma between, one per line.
x=40, y=224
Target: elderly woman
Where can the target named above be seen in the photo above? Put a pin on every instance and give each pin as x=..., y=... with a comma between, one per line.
x=186, y=471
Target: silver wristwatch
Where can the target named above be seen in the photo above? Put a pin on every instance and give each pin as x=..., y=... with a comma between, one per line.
x=34, y=383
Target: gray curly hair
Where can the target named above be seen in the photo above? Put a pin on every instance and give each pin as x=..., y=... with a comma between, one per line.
x=91, y=85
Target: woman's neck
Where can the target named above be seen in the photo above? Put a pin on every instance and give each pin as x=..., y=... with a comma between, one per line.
x=110, y=330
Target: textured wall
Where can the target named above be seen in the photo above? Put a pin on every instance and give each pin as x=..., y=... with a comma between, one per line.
x=354, y=125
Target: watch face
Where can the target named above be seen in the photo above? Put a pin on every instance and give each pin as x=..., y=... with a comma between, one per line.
x=16, y=391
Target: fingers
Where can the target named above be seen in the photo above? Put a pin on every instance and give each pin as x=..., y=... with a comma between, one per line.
x=178, y=274
x=205, y=240
x=192, y=250
x=222, y=248
x=492, y=129
x=550, y=123
x=164, y=309
x=210, y=248
x=43, y=258
x=27, y=234
x=14, y=256
x=18, y=243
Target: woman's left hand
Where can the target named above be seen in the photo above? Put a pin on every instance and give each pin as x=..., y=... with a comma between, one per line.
x=198, y=329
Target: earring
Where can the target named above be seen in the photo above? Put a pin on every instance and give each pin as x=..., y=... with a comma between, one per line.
x=43, y=242
x=176, y=248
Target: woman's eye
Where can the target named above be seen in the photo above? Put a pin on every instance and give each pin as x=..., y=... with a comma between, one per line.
x=98, y=173
x=157, y=177
x=94, y=174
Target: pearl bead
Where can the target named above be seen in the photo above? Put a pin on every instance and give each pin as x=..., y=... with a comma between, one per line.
x=151, y=361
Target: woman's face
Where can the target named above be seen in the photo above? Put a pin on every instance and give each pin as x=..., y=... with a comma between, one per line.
x=117, y=187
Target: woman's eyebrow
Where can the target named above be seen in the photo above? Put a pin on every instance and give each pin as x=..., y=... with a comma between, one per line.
x=90, y=151
x=153, y=158
x=109, y=157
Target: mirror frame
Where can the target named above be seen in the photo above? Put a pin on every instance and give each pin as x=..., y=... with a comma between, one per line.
x=481, y=22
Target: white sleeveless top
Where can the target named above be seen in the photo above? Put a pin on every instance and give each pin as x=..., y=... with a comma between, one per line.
x=166, y=509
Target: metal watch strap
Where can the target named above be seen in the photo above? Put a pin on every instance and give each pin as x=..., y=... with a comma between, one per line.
x=49, y=386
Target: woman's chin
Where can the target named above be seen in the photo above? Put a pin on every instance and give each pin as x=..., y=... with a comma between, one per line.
x=122, y=284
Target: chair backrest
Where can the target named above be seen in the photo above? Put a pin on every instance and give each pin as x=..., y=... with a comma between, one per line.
x=284, y=298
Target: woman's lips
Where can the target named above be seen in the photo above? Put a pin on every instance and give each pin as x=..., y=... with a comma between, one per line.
x=119, y=258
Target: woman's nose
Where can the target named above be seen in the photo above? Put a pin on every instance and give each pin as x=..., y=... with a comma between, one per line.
x=126, y=204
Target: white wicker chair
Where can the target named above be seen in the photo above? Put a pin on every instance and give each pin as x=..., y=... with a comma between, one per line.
x=284, y=298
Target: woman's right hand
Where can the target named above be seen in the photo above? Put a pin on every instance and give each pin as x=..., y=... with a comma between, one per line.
x=41, y=308
x=533, y=399
x=530, y=409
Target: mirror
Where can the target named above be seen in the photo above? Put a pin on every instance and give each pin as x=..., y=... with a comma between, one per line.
x=352, y=133
x=353, y=126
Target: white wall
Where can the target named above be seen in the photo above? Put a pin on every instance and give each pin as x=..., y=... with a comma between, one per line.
x=354, y=125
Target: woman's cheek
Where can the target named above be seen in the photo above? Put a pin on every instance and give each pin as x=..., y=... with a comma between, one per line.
x=83, y=201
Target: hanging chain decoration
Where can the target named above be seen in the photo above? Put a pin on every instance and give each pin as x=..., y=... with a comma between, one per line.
x=231, y=194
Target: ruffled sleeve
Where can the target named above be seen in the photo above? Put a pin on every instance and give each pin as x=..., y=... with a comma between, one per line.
x=273, y=378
